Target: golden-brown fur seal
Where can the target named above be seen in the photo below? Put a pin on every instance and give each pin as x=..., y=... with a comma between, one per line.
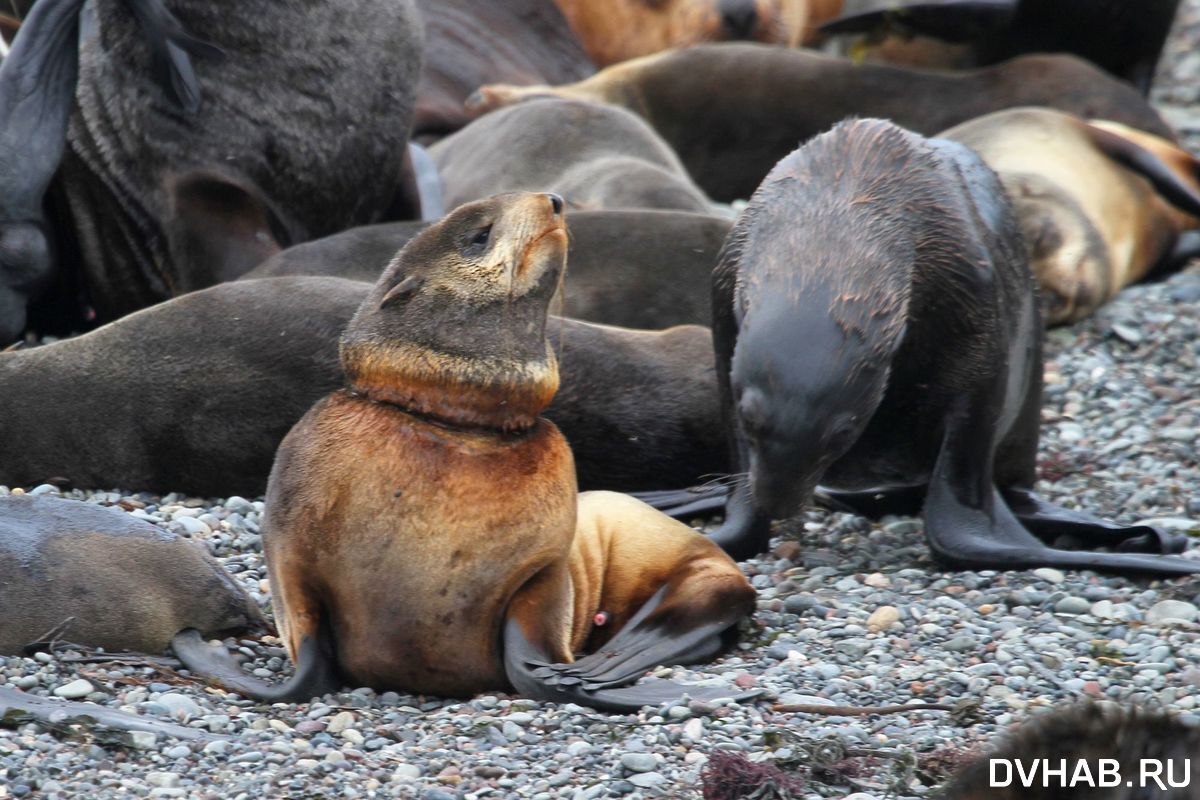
x=1100, y=204
x=730, y=111
x=423, y=528
x=618, y=30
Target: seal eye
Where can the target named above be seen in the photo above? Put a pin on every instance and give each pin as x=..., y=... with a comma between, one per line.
x=477, y=240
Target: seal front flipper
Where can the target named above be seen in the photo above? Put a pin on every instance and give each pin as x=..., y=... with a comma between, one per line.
x=970, y=526
x=316, y=671
x=949, y=20
x=746, y=531
x=679, y=503
x=874, y=503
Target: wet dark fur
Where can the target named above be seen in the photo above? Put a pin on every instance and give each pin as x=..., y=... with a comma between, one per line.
x=473, y=42
x=1088, y=732
x=639, y=269
x=195, y=394
x=301, y=133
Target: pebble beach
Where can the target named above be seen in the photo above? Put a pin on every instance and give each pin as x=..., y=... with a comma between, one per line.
x=851, y=612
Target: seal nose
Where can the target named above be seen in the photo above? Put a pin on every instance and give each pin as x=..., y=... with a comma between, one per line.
x=556, y=203
x=739, y=17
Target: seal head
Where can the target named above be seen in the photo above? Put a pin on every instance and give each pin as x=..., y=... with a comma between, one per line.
x=437, y=336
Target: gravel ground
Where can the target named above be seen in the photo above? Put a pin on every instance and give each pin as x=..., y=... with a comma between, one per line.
x=850, y=612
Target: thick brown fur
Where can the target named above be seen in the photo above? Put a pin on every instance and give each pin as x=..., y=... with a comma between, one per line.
x=406, y=529
x=1093, y=224
x=731, y=111
x=101, y=578
x=1088, y=732
x=618, y=30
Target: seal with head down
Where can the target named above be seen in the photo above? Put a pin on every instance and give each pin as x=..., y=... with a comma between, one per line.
x=898, y=263
x=423, y=529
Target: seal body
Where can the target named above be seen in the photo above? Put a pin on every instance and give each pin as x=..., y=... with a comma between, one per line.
x=230, y=382
x=730, y=113
x=1088, y=200
x=595, y=155
x=633, y=268
x=472, y=42
x=901, y=352
x=95, y=576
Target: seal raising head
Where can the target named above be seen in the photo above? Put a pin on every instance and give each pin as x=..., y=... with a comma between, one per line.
x=470, y=347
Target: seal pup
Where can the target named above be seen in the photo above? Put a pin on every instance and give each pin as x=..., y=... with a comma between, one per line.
x=730, y=111
x=1101, y=205
x=644, y=268
x=96, y=576
x=595, y=155
x=876, y=328
x=455, y=555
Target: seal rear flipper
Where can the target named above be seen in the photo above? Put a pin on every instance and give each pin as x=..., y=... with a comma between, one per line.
x=1048, y=521
x=521, y=660
x=969, y=525
x=315, y=675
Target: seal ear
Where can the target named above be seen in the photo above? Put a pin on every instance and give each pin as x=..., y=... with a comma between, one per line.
x=402, y=290
x=218, y=229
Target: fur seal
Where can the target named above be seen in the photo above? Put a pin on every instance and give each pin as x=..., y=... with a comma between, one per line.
x=636, y=269
x=455, y=554
x=595, y=155
x=233, y=367
x=155, y=195
x=1100, y=205
x=730, y=110
x=472, y=42
x=97, y=576
x=1125, y=39
x=618, y=30
x=1081, y=734
x=898, y=358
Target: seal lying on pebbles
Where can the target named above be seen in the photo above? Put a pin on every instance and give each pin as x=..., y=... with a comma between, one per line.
x=195, y=394
x=638, y=269
x=99, y=577
x=899, y=358
x=1098, y=206
x=730, y=110
x=595, y=155
x=423, y=530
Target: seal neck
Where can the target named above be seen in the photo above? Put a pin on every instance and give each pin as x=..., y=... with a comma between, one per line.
x=468, y=392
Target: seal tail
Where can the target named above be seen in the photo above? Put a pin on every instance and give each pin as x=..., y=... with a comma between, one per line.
x=316, y=668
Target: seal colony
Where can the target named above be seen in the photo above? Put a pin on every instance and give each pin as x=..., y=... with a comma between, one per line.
x=452, y=553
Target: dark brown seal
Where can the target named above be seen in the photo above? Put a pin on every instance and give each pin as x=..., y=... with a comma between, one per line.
x=877, y=330
x=595, y=155
x=454, y=554
x=1100, y=204
x=95, y=576
x=234, y=367
x=1125, y=39
x=638, y=269
x=731, y=111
